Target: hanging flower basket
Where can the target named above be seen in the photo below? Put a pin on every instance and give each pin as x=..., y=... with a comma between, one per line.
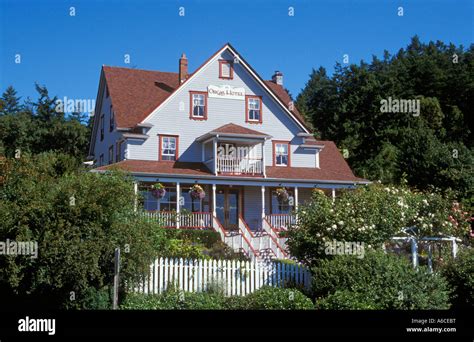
x=197, y=192
x=318, y=191
x=158, y=190
x=282, y=195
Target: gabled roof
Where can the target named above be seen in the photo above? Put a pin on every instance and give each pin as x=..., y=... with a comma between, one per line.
x=232, y=129
x=136, y=93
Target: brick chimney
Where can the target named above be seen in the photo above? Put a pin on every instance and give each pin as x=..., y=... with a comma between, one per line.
x=183, y=68
x=278, y=78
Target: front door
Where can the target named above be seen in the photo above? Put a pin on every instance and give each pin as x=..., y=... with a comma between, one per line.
x=227, y=208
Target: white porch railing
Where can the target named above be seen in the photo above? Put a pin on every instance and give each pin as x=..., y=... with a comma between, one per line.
x=281, y=221
x=251, y=166
x=169, y=219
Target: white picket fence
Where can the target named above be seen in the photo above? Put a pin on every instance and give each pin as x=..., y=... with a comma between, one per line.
x=233, y=277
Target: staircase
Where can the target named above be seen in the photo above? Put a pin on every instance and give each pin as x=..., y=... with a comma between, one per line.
x=260, y=246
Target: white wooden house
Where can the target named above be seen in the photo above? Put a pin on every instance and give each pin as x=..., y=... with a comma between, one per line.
x=225, y=128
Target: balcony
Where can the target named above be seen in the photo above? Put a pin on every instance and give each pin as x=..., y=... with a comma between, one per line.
x=239, y=166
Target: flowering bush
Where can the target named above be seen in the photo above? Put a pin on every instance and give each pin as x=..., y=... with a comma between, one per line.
x=282, y=195
x=372, y=214
x=197, y=192
x=158, y=190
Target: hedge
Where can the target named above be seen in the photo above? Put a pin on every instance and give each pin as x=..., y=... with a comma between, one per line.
x=378, y=281
x=264, y=298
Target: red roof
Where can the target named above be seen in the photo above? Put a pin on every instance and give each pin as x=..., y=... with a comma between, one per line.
x=236, y=129
x=334, y=168
x=135, y=93
x=159, y=167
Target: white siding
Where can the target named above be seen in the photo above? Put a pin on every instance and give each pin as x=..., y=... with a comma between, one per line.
x=110, y=138
x=170, y=120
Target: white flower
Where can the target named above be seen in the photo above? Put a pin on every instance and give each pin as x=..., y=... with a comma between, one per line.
x=425, y=202
x=340, y=223
x=334, y=226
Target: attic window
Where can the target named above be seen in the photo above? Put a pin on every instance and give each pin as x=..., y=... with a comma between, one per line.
x=226, y=70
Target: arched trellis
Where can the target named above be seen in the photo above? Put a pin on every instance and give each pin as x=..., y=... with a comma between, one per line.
x=414, y=241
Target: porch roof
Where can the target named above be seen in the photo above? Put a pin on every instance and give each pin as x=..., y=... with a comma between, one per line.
x=234, y=131
x=149, y=168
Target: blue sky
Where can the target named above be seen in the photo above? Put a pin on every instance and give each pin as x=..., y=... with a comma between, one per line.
x=65, y=52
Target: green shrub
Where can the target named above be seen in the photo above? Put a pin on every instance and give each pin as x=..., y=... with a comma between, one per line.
x=378, y=281
x=371, y=214
x=207, y=238
x=174, y=300
x=459, y=273
x=94, y=299
x=220, y=251
x=77, y=219
x=276, y=299
x=345, y=300
x=264, y=298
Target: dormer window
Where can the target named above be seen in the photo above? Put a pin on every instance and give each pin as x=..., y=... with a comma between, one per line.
x=281, y=153
x=226, y=70
x=253, y=109
x=198, y=105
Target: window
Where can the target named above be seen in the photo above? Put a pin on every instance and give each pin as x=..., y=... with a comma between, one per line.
x=112, y=118
x=111, y=154
x=281, y=153
x=150, y=202
x=169, y=147
x=253, y=109
x=226, y=70
x=101, y=160
x=102, y=127
x=118, y=147
x=198, y=105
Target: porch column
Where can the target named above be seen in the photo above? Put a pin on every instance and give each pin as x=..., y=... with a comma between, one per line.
x=214, y=200
x=178, y=203
x=296, y=198
x=263, y=159
x=135, y=190
x=296, y=201
x=263, y=202
x=214, y=141
x=333, y=194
